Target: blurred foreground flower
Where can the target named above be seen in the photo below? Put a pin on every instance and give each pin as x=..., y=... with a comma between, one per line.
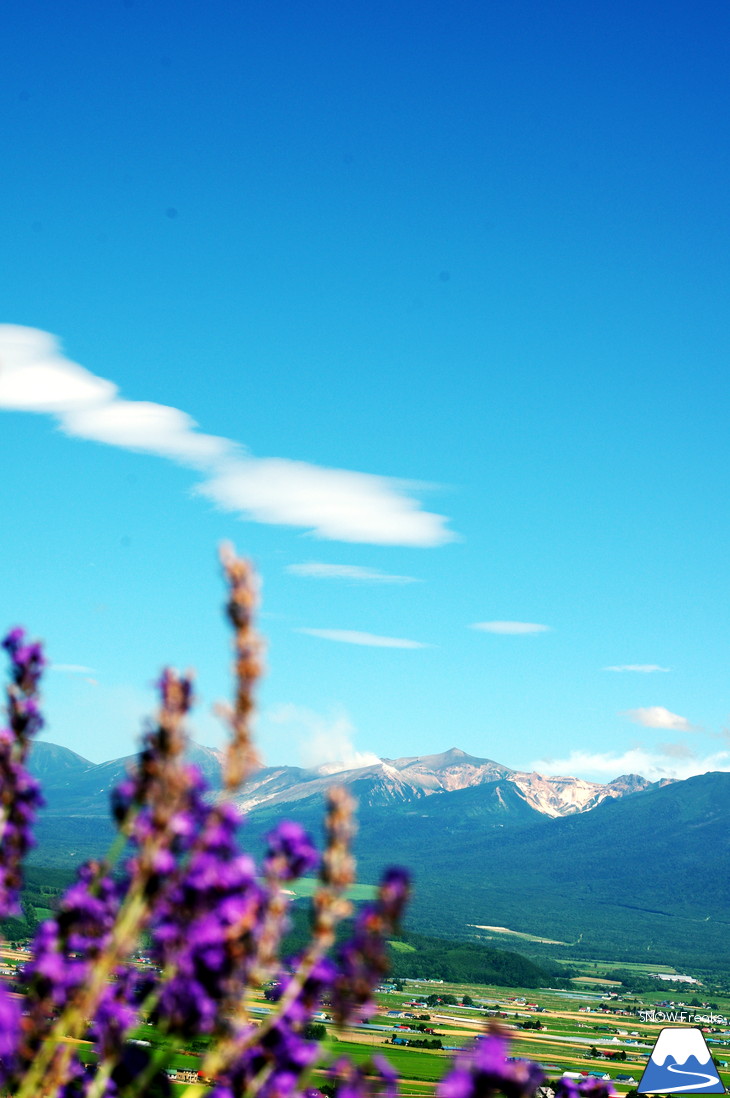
x=212, y=920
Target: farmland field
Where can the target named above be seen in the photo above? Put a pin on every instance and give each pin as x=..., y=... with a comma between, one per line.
x=586, y=1028
x=306, y=886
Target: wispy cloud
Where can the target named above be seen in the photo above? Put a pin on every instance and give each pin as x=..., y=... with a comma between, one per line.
x=72, y=668
x=319, y=738
x=656, y=716
x=338, y=504
x=352, y=573
x=654, y=765
x=510, y=628
x=642, y=668
x=676, y=750
x=370, y=640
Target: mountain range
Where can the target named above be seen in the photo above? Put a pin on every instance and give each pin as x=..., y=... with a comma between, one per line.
x=630, y=870
x=73, y=785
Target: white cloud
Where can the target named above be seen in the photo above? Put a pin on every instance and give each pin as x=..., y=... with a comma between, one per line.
x=371, y=640
x=320, y=738
x=510, y=628
x=603, y=766
x=339, y=504
x=656, y=716
x=353, y=572
x=643, y=668
x=152, y=428
x=35, y=377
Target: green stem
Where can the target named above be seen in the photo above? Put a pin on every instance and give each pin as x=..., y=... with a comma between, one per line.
x=103, y=1072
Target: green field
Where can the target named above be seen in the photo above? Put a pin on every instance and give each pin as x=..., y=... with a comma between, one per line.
x=307, y=886
x=570, y=1037
x=411, y=1064
x=579, y=1027
x=589, y=968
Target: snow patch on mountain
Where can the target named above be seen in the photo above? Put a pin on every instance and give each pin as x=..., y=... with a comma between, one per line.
x=75, y=782
x=413, y=778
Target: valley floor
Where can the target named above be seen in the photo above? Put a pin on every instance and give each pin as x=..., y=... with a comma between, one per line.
x=589, y=1030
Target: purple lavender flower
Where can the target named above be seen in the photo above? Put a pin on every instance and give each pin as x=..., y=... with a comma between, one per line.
x=369, y=1080
x=116, y=1013
x=566, y=1088
x=63, y=957
x=583, y=1088
x=9, y=1035
x=20, y=797
x=291, y=852
x=482, y=1069
x=27, y=660
x=212, y=924
x=280, y=1057
x=278, y=1051
x=590, y=1088
x=205, y=925
x=314, y=987
x=363, y=960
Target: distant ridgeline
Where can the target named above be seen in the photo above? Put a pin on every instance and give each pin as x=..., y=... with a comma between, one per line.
x=637, y=873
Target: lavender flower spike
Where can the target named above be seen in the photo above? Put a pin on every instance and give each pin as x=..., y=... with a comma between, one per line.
x=363, y=960
x=213, y=921
x=19, y=792
x=483, y=1070
x=291, y=852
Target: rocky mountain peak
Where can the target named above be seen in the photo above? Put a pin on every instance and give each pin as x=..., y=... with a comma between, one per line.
x=70, y=780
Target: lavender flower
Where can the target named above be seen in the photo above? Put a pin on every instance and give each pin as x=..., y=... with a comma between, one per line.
x=20, y=796
x=204, y=928
x=64, y=954
x=273, y=1065
x=583, y=1088
x=214, y=926
x=483, y=1069
x=291, y=852
x=363, y=960
x=240, y=757
x=116, y=1013
x=9, y=1036
x=370, y=1080
x=27, y=661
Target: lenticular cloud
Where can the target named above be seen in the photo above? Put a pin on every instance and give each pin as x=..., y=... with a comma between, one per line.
x=338, y=504
x=35, y=376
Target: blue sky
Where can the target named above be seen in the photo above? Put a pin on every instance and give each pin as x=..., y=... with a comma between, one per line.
x=445, y=290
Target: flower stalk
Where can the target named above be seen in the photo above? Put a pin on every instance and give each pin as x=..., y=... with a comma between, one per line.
x=214, y=922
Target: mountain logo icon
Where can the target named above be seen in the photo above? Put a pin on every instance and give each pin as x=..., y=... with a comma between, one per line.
x=680, y=1063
